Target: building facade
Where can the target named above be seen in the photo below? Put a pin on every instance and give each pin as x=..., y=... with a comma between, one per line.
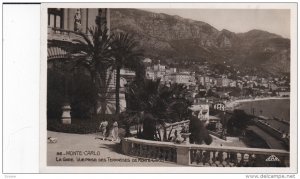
x=62, y=23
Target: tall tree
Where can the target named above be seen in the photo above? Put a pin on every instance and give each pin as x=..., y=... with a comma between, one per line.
x=93, y=52
x=127, y=55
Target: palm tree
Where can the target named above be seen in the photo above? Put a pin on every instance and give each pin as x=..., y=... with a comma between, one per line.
x=93, y=52
x=161, y=102
x=126, y=55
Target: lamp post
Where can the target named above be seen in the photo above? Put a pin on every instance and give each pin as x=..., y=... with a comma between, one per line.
x=66, y=107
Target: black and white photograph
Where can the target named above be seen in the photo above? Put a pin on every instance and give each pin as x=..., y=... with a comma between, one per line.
x=143, y=86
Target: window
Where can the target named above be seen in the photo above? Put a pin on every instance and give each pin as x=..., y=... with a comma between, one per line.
x=55, y=17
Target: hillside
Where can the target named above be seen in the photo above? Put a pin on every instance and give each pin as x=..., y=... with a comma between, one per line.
x=176, y=39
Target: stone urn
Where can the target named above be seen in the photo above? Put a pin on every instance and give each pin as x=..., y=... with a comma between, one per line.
x=66, y=115
x=186, y=137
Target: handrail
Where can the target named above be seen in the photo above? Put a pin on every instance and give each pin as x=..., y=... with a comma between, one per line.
x=207, y=147
x=204, y=155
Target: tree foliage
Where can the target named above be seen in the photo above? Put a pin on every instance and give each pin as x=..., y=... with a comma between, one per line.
x=199, y=134
x=238, y=122
x=93, y=52
x=166, y=104
x=126, y=54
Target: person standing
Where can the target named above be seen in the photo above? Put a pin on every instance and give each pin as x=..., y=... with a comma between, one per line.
x=103, y=128
x=115, y=132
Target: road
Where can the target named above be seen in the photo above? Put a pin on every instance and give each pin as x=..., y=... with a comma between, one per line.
x=270, y=140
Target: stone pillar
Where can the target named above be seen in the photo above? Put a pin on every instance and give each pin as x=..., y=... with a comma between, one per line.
x=125, y=146
x=66, y=115
x=183, y=155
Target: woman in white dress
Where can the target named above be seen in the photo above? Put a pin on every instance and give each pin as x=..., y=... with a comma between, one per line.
x=115, y=132
x=103, y=128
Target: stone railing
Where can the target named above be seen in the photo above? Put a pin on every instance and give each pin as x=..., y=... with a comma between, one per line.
x=164, y=151
x=177, y=124
x=204, y=155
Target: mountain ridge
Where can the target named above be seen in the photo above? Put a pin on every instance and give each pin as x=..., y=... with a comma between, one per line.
x=174, y=38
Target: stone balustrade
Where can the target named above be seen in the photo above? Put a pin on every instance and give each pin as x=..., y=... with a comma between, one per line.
x=205, y=155
x=163, y=151
x=177, y=124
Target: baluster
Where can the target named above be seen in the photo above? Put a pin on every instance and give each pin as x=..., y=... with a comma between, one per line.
x=169, y=158
x=174, y=155
x=203, y=157
x=214, y=159
x=164, y=153
x=161, y=155
x=225, y=159
x=206, y=157
x=150, y=151
x=251, y=160
x=238, y=159
x=140, y=150
x=130, y=148
x=133, y=152
x=153, y=152
x=211, y=157
x=198, y=156
x=241, y=163
x=233, y=159
x=147, y=151
x=137, y=152
x=137, y=149
x=192, y=156
x=220, y=158
x=246, y=160
x=157, y=149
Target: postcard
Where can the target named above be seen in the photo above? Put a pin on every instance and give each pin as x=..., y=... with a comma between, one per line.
x=168, y=88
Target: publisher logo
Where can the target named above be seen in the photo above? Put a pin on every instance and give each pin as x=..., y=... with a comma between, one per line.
x=272, y=158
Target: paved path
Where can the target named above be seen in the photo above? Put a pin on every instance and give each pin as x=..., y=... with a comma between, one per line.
x=93, y=152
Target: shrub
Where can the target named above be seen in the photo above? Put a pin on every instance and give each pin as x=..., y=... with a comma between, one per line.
x=199, y=133
x=149, y=127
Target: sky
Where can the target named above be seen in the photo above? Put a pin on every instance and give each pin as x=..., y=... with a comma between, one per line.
x=238, y=20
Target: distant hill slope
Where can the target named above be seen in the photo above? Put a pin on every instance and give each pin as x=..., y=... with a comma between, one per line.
x=173, y=38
